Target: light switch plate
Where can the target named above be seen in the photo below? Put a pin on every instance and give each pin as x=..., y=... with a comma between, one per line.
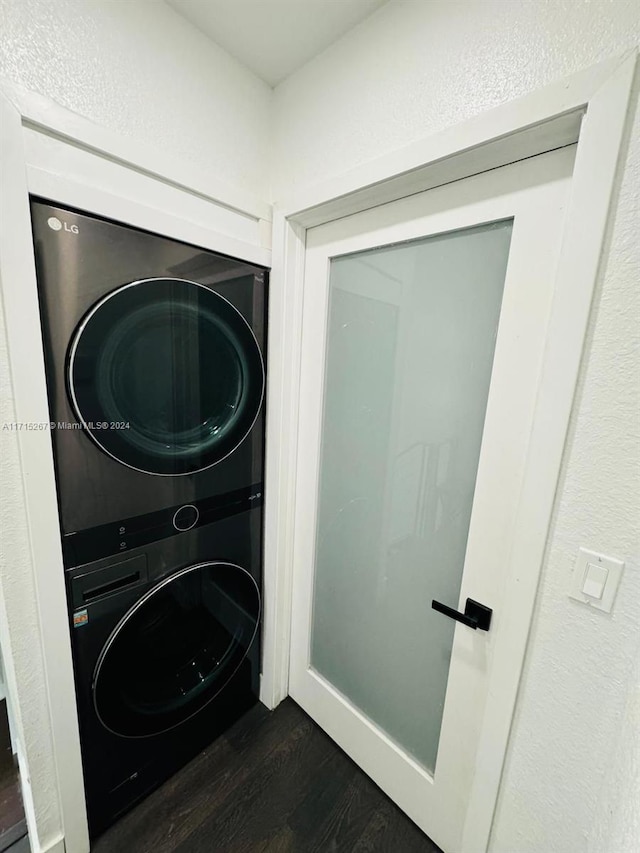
x=585, y=569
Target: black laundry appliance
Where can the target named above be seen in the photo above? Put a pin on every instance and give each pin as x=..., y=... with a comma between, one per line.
x=167, y=655
x=155, y=358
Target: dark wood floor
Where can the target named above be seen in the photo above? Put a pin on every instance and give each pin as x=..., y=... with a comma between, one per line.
x=275, y=783
x=20, y=846
x=12, y=822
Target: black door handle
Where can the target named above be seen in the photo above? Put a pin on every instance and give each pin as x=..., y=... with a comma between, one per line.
x=475, y=615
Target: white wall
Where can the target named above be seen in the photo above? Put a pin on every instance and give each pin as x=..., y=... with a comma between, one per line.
x=413, y=68
x=142, y=70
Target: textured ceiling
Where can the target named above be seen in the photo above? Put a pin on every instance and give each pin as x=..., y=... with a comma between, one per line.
x=274, y=37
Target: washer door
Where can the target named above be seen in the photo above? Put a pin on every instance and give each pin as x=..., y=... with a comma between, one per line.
x=175, y=650
x=166, y=376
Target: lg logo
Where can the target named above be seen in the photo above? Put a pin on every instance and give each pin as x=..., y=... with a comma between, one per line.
x=56, y=225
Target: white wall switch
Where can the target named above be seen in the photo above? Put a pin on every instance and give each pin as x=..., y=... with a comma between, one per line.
x=595, y=579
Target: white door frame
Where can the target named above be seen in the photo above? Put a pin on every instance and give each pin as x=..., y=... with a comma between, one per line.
x=589, y=108
x=50, y=151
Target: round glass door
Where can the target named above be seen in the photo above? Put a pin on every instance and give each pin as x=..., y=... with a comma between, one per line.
x=177, y=647
x=166, y=376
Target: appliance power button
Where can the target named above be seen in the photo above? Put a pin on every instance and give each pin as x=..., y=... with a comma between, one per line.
x=186, y=517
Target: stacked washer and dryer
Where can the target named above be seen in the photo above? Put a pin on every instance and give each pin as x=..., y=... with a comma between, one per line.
x=154, y=351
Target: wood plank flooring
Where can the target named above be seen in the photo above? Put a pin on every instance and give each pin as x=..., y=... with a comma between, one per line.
x=12, y=822
x=275, y=783
x=20, y=846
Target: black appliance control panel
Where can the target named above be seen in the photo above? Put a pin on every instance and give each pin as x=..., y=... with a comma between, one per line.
x=121, y=536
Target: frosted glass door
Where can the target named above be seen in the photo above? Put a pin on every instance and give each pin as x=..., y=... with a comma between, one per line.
x=410, y=346
x=424, y=327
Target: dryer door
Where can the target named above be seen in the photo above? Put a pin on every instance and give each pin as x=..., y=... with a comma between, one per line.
x=166, y=376
x=175, y=650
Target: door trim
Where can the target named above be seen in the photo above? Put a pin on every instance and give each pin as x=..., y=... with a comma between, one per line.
x=38, y=112
x=589, y=108
x=48, y=150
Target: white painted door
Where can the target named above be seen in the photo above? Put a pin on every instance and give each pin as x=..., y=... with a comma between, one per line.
x=423, y=334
